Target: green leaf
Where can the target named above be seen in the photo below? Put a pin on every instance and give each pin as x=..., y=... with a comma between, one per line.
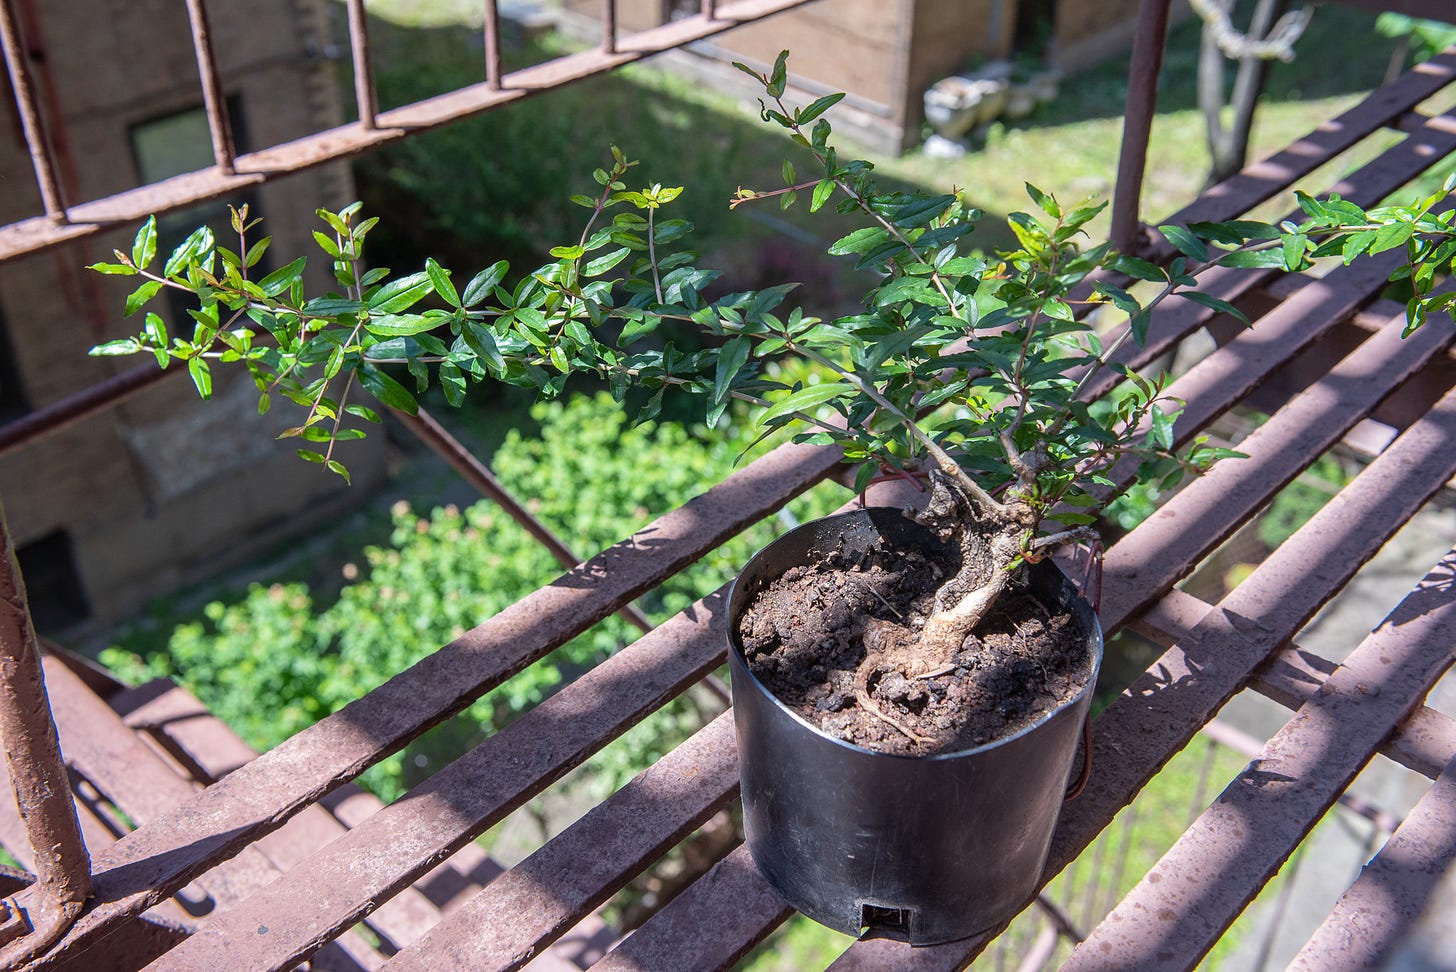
x=283, y=278
x=1138, y=268
x=336, y=467
x=1390, y=236
x=1044, y=201
x=480, y=285
x=452, y=383
x=201, y=376
x=197, y=248
x=401, y=325
x=818, y=107
x=1293, y=248
x=440, y=280
x=858, y=241
x=141, y=295
x=568, y=252
x=1213, y=303
x=387, y=390
x=402, y=294
x=112, y=349
x=605, y=262
x=731, y=359
x=806, y=399
x=822, y=190
x=1270, y=257
x=113, y=269
x=1186, y=243
x=144, y=246
x=1235, y=232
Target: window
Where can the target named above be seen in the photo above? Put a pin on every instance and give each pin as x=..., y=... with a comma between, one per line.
x=52, y=583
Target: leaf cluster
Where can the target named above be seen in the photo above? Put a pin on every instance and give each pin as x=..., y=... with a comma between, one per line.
x=973, y=365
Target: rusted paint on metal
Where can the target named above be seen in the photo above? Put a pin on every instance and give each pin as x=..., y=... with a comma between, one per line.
x=37, y=773
x=1423, y=742
x=1373, y=918
x=90, y=400
x=366, y=102
x=504, y=926
x=213, y=98
x=343, y=881
x=711, y=925
x=94, y=216
x=1184, y=904
x=42, y=157
x=1137, y=122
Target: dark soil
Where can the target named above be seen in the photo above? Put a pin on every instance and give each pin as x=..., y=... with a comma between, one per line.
x=803, y=637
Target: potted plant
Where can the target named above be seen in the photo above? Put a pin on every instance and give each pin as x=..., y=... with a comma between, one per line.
x=889, y=681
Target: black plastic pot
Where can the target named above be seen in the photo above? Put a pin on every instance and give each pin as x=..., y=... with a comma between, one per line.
x=931, y=848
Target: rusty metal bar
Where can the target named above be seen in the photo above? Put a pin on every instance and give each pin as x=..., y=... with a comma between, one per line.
x=41, y=158
x=73, y=408
x=365, y=98
x=37, y=772
x=1366, y=187
x=1221, y=861
x=1137, y=122
x=492, y=45
x=213, y=97
x=88, y=218
x=1424, y=743
x=1373, y=917
x=609, y=26
x=477, y=474
x=153, y=861
x=711, y=925
x=1232, y=492
x=544, y=895
x=328, y=893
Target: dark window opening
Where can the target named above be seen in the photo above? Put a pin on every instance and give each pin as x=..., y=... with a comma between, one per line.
x=13, y=401
x=52, y=583
x=175, y=144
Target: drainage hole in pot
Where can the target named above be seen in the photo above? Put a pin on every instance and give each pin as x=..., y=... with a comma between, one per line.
x=884, y=921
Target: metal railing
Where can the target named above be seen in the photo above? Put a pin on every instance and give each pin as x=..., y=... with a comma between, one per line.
x=1249, y=632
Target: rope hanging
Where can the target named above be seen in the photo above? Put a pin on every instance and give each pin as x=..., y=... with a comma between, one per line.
x=1279, y=44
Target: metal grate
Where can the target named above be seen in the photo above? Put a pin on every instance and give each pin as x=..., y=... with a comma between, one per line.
x=281, y=897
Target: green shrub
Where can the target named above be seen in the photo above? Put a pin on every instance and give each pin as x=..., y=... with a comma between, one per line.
x=272, y=662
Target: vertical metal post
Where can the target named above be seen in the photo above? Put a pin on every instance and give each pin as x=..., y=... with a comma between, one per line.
x=42, y=788
x=609, y=26
x=364, y=94
x=41, y=159
x=710, y=9
x=212, y=93
x=492, y=46
x=1137, y=124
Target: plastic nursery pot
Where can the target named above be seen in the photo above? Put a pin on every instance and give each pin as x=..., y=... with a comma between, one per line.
x=929, y=848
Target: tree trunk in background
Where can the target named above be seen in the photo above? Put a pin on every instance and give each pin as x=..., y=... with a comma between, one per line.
x=1228, y=145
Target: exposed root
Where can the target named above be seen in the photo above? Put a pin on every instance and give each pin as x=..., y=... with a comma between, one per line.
x=868, y=704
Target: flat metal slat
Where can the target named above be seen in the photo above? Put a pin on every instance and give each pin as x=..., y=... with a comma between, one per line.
x=506, y=924
x=1367, y=186
x=330, y=891
x=1372, y=918
x=1226, y=496
x=1275, y=173
x=89, y=218
x=1178, y=911
x=153, y=861
x=1424, y=743
x=712, y=924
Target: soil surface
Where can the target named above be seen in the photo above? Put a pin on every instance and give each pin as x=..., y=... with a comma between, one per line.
x=803, y=637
